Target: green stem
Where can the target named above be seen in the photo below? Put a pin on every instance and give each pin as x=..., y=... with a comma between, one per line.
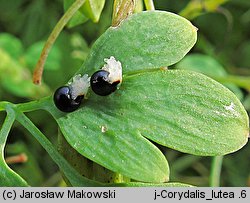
x=149, y=5
x=3, y=105
x=37, y=76
x=241, y=81
x=4, y=132
x=7, y=176
x=43, y=103
x=75, y=178
x=215, y=171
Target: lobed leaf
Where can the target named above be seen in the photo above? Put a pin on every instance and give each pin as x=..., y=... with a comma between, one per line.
x=149, y=39
x=209, y=66
x=183, y=110
x=120, y=150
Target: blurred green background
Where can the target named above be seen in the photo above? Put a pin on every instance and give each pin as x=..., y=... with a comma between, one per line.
x=222, y=52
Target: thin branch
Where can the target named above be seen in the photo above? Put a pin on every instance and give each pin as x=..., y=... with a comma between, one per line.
x=37, y=76
x=215, y=171
x=149, y=5
x=72, y=175
x=20, y=158
x=4, y=132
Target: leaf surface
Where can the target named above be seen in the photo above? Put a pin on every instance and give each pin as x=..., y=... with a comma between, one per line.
x=8, y=178
x=183, y=110
x=145, y=40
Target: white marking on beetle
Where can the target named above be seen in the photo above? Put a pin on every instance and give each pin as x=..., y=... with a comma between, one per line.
x=114, y=67
x=79, y=85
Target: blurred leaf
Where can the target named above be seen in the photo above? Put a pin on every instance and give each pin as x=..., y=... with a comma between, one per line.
x=81, y=48
x=75, y=178
x=241, y=81
x=138, y=184
x=198, y=7
x=17, y=79
x=29, y=170
x=150, y=39
x=92, y=9
x=246, y=102
x=203, y=45
x=240, y=2
x=33, y=53
x=243, y=59
x=8, y=178
x=78, y=18
x=245, y=18
x=29, y=20
x=208, y=66
x=11, y=45
x=203, y=64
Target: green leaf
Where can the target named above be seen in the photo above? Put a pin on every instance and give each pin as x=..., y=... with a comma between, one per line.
x=92, y=9
x=11, y=45
x=113, y=146
x=78, y=18
x=29, y=170
x=8, y=178
x=183, y=110
x=209, y=66
x=195, y=8
x=202, y=63
x=75, y=179
x=33, y=53
x=150, y=39
x=188, y=112
x=17, y=79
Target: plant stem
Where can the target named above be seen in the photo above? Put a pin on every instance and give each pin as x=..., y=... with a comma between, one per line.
x=8, y=122
x=37, y=76
x=215, y=171
x=20, y=158
x=35, y=105
x=75, y=178
x=121, y=10
x=3, y=105
x=149, y=5
x=7, y=175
